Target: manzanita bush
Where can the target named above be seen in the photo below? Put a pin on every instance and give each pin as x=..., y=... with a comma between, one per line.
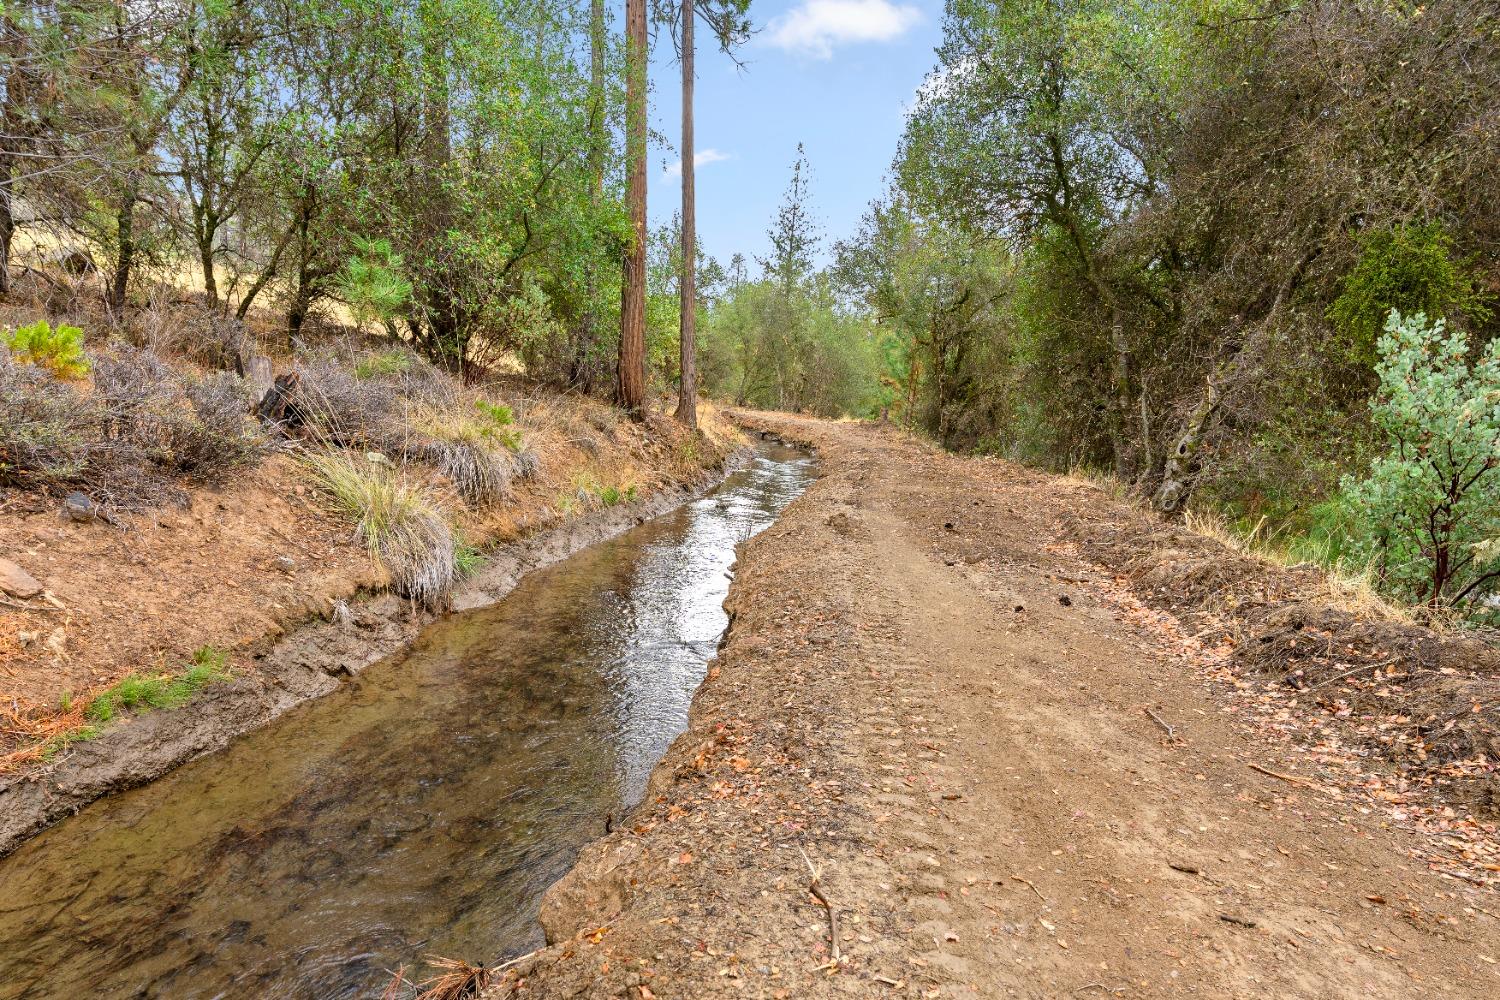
x=1429, y=510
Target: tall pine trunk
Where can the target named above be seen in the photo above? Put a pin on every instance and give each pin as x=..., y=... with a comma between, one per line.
x=119, y=283
x=687, y=399
x=631, y=378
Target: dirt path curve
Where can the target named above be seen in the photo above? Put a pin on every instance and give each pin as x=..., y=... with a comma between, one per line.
x=925, y=697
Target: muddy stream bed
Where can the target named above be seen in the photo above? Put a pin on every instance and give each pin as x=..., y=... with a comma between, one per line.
x=421, y=809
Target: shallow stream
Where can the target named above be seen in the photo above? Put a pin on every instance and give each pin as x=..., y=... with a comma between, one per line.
x=422, y=809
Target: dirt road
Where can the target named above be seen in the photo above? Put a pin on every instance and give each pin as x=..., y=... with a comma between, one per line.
x=930, y=699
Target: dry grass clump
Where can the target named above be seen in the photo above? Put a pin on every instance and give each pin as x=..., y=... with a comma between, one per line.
x=392, y=401
x=1337, y=586
x=344, y=409
x=456, y=980
x=476, y=449
x=398, y=521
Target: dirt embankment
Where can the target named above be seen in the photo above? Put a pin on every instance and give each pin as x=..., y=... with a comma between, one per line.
x=261, y=569
x=1012, y=776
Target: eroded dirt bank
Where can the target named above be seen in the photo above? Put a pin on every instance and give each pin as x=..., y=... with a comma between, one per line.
x=932, y=695
x=329, y=630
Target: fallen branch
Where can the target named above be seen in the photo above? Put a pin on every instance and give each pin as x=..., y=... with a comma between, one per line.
x=1171, y=733
x=1292, y=778
x=833, y=914
x=1031, y=886
x=1237, y=921
x=1351, y=673
x=7, y=602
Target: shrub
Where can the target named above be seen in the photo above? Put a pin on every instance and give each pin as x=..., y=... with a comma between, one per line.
x=200, y=428
x=216, y=437
x=397, y=521
x=1429, y=510
x=345, y=409
x=46, y=428
x=496, y=419
x=1410, y=269
x=372, y=282
x=60, y=351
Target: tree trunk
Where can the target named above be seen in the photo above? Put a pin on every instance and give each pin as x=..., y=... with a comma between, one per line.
x=7, y=232
x=631, y=377
x=687, y=398
x=1120, y=365
x=206, y=257
x=125, y=245
x=1177, y=478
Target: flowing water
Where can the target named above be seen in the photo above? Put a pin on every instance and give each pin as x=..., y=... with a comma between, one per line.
x=421, y=809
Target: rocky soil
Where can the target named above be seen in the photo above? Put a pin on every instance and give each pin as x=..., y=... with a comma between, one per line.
x=949, y=750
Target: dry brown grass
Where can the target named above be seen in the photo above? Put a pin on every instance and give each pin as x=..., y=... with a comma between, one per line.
x=1338, y=587
x=456, y=980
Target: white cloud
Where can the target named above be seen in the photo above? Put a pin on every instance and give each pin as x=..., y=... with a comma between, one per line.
x=707, y=156
x=816, y=26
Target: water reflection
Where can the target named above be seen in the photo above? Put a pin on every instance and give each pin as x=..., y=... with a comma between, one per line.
x=421, y=809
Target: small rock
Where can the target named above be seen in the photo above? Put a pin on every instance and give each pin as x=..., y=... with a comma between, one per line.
x=24, y=639
x=16, y=582
x=1065, y=600
x=285, y=563
x=78, y=507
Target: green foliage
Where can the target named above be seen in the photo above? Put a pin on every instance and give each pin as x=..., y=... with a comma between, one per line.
x=384, y=364
x=372, y=282
x=466, y=558
x=59, y=351
x=139, y=692
x=1429, y=509
x=1411, y=269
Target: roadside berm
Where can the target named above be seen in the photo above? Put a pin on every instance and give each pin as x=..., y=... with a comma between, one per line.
x=959, y=743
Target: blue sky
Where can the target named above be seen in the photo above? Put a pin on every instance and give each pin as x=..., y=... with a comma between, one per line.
x=836, y=75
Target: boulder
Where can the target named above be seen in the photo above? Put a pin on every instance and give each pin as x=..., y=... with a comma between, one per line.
x=16, y=582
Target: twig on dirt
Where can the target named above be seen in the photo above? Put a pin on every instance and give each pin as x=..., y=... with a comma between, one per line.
x=1352, y=673
x=1028, y=883
x=1171, y=732
x=7, y=602
x=1178, y=866
x=517, y=960
x=1230, y=918
x=1284, y=777
x=833, y=914
x=1100, y=986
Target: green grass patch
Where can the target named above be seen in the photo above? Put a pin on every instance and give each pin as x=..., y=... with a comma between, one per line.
x=62, y=741
x=382, y=365
x=140, y=692
x=466, y=558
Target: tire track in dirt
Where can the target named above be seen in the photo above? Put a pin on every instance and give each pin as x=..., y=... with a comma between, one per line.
x=993, y=811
